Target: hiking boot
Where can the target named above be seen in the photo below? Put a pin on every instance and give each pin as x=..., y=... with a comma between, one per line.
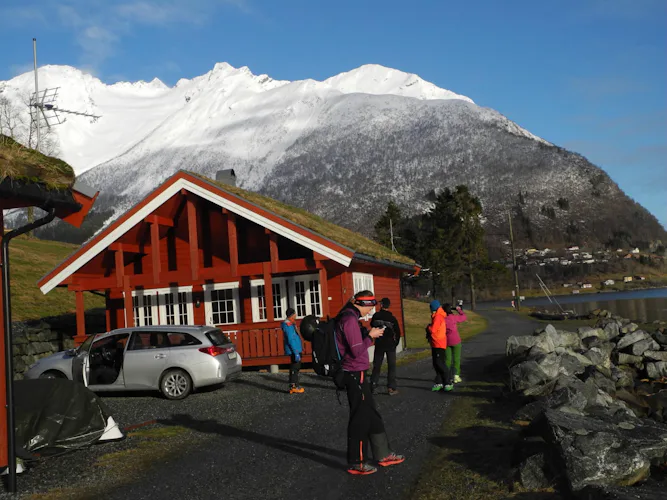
x=392, y=392
x=448, y=387
x=391, y=459
x=296, y=390
x=457, y=379
x=362, y=470
x=436, y=387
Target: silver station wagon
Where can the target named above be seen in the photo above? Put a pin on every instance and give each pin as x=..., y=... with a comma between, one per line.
x=172, y=359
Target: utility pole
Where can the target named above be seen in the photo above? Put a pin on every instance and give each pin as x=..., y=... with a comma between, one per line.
x=516, y=273
x=391, y=233
x=36, y=121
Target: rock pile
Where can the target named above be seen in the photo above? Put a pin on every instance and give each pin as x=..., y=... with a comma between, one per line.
x=596, y=398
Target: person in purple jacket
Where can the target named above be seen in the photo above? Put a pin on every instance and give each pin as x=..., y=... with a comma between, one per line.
x=365, y=424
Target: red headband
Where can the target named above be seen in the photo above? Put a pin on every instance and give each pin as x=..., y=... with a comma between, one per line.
x=366, y=301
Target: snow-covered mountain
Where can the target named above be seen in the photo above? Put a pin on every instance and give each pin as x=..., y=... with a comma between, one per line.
x=355, y=140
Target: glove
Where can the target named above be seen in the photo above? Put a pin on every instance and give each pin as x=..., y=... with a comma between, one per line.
x=297, y=358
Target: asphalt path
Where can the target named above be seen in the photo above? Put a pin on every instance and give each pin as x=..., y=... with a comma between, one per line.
x=294, y=446
x=250, y=439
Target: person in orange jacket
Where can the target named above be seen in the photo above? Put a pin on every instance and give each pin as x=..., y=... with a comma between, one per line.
x=436, y=333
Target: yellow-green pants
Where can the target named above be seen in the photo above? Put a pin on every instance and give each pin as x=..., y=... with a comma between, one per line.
x=453, y=353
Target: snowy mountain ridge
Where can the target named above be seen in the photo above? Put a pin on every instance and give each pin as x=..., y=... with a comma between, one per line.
x=131, y=110
x=341, y=148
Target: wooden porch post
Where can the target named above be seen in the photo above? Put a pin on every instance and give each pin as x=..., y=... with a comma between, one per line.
x=193, y=237
x=324, y=287
x=155, y=250
x=119, y=258
x=268, y=292
x=232, y=236
x=129, y=306
x=273, y=248
x=107, y=311
x=80, y=318
x=199, y=312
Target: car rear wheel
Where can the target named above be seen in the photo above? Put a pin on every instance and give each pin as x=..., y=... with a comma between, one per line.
x=52, y=374
x=176, y=384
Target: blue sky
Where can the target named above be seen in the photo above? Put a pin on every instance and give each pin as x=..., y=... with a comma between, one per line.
x=588, y=75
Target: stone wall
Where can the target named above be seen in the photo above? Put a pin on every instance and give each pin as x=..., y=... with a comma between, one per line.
x=36, y=339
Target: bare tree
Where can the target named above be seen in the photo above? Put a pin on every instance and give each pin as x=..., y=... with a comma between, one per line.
x=12, y=123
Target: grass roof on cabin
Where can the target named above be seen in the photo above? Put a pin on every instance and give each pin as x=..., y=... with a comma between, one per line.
x=20, y=163
x=350, y=239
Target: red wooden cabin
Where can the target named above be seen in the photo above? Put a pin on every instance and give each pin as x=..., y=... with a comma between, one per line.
x=197, y=251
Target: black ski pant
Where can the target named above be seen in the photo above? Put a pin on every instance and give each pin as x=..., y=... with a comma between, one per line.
x=443, y=375
x=294, y=368
x=365, y=425
x=378, y=358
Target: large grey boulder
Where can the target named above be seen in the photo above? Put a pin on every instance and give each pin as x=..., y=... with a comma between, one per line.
x=623, y=376
x=572, y=363
x=629, y=327
x=534, y=372
x=631, y=338
x=515, y=346
x=623, y=358
x=639, y=348
x=585, y=332
x=656, y=370
x=533, y=473
x=600, y=453
x=656, y=355
x=600, y=355
x=560, y=398
x=612, y=330
x=660, y=338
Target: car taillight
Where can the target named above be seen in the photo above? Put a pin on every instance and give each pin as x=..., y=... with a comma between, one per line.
x=215, y=350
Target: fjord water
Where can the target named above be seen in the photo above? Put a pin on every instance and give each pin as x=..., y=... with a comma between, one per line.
x=640, y=305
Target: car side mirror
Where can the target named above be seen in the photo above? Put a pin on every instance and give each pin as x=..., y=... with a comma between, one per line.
x=71, y=352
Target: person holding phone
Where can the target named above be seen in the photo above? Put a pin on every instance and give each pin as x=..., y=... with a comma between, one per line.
x=365, y=425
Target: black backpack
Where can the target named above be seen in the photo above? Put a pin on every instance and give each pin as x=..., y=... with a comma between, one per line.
x=326, y=356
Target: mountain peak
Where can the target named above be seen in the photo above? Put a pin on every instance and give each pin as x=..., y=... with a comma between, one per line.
x=378, y=79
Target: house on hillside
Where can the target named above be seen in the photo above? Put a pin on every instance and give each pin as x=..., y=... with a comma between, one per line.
x=627, y=279
x=608, y=282
x=198, y=251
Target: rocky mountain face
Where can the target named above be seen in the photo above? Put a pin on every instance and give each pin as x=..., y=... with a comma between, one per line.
x=341, y=148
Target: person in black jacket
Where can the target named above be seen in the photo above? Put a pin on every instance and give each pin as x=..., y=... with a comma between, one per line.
x=386, y=344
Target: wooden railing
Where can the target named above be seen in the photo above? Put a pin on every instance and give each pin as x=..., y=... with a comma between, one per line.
x=264, y=346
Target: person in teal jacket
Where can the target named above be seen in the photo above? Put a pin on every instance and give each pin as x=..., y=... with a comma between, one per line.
x=293, y=349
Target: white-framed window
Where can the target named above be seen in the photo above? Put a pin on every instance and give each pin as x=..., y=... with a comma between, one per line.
x=175, y=305
x=166, y=306
x=221, y=303
x=280, y=288
x=144, y=308
x=303, y=293
x=307, y=295
x=364, y=281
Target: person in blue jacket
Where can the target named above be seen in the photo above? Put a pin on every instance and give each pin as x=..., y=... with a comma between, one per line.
x=293, y=349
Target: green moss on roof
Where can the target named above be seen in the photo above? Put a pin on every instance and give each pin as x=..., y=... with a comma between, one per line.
x=342, y=236
x=20, y=163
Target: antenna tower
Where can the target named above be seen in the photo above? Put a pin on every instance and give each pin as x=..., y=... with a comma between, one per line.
x=43, y=108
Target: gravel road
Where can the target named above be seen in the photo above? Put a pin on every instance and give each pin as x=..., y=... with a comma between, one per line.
x=250, y=439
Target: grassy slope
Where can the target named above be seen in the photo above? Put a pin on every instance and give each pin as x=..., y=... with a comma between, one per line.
x=30, y=259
